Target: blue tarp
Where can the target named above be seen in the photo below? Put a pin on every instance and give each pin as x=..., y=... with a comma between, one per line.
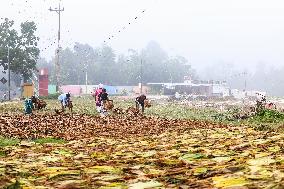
x=110, y=89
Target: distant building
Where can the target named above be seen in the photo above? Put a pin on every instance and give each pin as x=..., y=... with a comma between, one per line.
x=145, y=89
x=199, y=88
x=241, y=94
x=124, y=90
x=75, y=90
x=78, y=90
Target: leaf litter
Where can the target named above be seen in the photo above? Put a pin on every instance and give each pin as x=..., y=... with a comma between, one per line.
x=126, y=151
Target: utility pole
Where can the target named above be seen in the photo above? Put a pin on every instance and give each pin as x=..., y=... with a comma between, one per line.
x=58, y=11
x=9, y=76
x=141, y=91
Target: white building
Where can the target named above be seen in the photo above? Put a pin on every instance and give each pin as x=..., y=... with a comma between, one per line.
x=220, y=90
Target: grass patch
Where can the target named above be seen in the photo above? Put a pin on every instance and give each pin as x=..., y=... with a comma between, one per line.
x=15, y=185
x=267, y=120
x=174, y=111
x=269, y=116
x=8, y=142
x=3, y=153
x=49, y=140
x=86, y=105
x=50, y=96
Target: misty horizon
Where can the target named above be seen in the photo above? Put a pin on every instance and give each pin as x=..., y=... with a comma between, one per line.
x=243, y=33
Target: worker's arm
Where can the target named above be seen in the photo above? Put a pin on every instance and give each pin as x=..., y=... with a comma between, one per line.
x=96, y=94
x=137, y=99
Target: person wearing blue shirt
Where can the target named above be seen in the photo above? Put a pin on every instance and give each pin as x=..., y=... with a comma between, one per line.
x=63, y=98
x=28, y=106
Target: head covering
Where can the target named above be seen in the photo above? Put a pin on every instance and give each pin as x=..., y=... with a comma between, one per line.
x=101, y=86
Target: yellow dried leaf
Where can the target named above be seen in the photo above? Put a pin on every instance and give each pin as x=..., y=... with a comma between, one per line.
x=274, y=149
x=261, y=161
x=225, y=182
x=222, y=159
x=200, y=171
x=144, y=185
x=102, y=169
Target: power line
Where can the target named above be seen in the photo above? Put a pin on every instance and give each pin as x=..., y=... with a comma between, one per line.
x=124, y=27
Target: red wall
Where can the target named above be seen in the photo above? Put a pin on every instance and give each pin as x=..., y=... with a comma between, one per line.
x=43, y=82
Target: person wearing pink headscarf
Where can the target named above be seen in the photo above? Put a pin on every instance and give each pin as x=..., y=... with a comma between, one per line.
x=97, y=94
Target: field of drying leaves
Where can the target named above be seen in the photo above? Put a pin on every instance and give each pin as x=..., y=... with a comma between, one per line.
x=126, y=151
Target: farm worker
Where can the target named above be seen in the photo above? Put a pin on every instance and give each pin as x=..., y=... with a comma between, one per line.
x=63, y=98
x=34, y=100
x=103, y=98
x=271, y=105
x=97, y=98
x=140, y=101
x=28, y=106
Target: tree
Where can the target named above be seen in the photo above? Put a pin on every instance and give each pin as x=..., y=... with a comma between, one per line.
x=103, y=67
x=178, y=67
x=153, y=59
x=23, y=47
x=106, y=65
x=85, y=59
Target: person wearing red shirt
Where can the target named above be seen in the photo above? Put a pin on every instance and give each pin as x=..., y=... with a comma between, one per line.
x=97, y=97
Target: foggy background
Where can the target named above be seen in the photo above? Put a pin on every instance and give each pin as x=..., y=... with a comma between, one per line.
x=240, y=41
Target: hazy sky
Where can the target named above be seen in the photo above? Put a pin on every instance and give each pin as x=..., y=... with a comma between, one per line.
x=207, y=32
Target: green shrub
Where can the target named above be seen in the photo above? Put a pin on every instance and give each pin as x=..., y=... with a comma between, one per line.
x=269, y=116
x=8, y=141
x=50, y=96
x=49, y=140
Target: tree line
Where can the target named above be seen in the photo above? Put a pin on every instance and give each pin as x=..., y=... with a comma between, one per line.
x=103, y=65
